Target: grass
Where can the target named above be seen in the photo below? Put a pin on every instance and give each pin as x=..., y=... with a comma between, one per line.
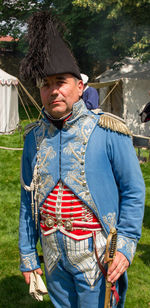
x=138, y=294
x=13, y=290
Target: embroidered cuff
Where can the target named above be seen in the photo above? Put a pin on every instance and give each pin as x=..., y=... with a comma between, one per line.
x=29, y=262
x=127, y=246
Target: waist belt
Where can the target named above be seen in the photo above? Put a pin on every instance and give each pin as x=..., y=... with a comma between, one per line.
x=69, y=224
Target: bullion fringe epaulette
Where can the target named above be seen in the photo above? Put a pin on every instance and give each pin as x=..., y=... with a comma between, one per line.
x=29, y=127
x=114, y=123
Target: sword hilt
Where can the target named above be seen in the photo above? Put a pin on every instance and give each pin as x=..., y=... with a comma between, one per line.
x=111, y=245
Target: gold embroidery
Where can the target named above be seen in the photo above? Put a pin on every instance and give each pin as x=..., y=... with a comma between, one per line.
x=110, y=219
x=76, y=151
x=127, y=244
x=29, y=261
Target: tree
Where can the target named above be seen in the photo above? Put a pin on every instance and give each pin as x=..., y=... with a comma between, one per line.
x=12, y=16
x=132, y=17
x=134, y=7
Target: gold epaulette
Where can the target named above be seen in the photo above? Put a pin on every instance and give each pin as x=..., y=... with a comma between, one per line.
x=114, y=123
x=29, y=127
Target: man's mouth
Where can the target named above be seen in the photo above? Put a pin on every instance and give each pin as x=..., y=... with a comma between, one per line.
x=55, y=101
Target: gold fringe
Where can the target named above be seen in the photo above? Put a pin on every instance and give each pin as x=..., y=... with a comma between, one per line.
x=114, y=123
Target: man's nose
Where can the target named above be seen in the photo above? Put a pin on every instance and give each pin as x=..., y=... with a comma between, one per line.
x=53, y=89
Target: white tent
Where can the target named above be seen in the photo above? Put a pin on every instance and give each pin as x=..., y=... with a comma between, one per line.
x=124, y=91
x=9, y=116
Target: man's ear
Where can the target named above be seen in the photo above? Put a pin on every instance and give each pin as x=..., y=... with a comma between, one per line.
x=80, y=87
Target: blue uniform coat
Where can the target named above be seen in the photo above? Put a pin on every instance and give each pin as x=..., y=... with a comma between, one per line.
x=99, y=165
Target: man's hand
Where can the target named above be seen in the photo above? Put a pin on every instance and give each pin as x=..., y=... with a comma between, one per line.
x=118, y=267
x=27, y=274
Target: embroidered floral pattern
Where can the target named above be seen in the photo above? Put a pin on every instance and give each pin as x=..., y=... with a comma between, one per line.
x=44, y=157
x=29, y=261
x=75, y=153
x=110, y=220
x=44, y=130
x=128, y=245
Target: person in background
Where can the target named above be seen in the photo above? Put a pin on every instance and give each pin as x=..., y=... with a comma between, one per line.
x=90, y=94
x=145, y=113
x=80, y=178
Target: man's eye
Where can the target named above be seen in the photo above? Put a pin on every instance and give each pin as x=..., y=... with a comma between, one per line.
x=59, y=83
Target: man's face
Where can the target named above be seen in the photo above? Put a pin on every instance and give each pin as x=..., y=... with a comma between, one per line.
x=59, y=93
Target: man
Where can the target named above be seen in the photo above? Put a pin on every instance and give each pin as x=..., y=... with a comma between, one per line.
x=81, y=176
x=90, y=95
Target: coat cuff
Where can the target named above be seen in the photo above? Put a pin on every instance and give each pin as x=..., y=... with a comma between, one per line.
x=127, y=246
x=29, y=262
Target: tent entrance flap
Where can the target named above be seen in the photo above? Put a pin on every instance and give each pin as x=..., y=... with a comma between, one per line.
x=111, y=97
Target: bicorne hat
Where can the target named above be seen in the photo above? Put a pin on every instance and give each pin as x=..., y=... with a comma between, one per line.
x=48, y=53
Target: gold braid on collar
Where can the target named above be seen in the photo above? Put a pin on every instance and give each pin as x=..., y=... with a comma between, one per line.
x=114, y=123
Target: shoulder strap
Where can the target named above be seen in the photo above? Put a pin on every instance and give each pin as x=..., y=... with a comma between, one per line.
x=29, y=127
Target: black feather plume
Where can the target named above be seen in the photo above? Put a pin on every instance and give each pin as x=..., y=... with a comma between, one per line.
x=48, y=52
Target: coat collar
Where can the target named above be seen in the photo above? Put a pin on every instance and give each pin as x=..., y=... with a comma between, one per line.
x=79, y=110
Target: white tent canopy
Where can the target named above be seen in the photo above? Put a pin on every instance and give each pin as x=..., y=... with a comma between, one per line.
x=9, y=116
x=124, y=91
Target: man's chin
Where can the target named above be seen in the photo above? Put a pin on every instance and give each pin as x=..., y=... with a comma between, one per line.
x=57, y=113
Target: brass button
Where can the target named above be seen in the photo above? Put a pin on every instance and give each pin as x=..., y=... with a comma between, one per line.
x=49, y=222
x=68, y=225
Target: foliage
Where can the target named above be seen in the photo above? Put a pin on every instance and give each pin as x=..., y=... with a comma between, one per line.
x=141, y=48
x=132, y=18
x=11, y=16
x=116, y=5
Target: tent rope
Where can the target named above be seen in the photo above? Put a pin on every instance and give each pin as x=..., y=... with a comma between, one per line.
x=15, y=149
x=31, y=98
x=116, y=84
x=23, y=104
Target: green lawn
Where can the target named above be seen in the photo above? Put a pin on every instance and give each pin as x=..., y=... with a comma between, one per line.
x=13, y=291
